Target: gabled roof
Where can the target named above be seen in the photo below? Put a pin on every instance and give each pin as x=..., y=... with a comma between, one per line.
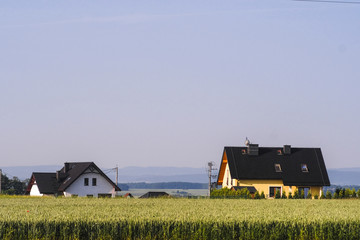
x=46, y=182
x=262, y=166
x=154, y=195
x=76, y=169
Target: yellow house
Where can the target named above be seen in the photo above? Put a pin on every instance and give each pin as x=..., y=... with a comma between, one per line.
x=269, y=169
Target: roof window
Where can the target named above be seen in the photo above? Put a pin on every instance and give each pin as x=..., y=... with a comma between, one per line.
x=304, y=168
x=278, y=167
x=279, y=152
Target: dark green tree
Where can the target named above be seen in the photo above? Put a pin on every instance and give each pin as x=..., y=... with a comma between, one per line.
x=328, y=194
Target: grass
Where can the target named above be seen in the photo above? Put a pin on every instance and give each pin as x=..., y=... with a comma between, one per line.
x=50, y=218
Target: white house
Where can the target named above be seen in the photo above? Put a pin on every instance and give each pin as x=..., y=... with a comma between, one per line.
x=75, y=178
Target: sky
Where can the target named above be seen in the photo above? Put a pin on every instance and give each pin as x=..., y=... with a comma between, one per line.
x=170, y=83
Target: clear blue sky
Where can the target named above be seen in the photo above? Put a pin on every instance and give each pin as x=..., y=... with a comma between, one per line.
x=170, y=83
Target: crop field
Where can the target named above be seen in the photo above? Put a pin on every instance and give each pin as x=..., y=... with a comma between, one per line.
x=84, y=218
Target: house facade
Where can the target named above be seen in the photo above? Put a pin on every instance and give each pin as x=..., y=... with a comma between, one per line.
x=268, y=169
x=74, y=179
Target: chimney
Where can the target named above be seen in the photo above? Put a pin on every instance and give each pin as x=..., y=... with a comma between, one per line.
x=253, y=149
x=66, y=167
x=287, y=149
x=60, y=176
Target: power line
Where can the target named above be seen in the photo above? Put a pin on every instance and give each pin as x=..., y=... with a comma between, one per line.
x=328, y=1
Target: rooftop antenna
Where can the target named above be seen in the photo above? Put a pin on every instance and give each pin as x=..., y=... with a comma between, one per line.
x=247, y=141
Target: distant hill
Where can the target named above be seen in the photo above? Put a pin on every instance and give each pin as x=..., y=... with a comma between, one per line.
x=340, y=176
x=344, y=176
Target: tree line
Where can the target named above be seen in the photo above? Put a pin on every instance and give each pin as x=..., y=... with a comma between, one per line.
x=13, y=186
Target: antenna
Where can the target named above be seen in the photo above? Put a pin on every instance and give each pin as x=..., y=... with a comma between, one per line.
x=247, y=141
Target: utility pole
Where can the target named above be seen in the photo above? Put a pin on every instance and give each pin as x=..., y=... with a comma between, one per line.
x=210, y=169
x=117, y=175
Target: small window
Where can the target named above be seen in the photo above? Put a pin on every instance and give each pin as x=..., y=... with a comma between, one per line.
x=278, y=168
x=279, y=152
x=273, y=191
x=86, y=182
x=94, y=181
x=304, y=168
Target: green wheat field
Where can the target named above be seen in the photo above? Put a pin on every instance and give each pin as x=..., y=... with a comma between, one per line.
x=84, y=218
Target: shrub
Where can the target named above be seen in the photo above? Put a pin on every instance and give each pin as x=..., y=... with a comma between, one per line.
x=353, y=193
x=302, y=194
x=283, y=196
x=328, y=194
x=262, y=195
x=322, y=195
x=358, y=193
x=309, y=196
x=316, y=196
x=277, y=194
x=336, y=195
x=290, y=196
x=296, y=194
x=256, y=195
x=347, y=193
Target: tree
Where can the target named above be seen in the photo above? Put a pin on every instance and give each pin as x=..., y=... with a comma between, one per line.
x=336, y=195
x=358, y=193
x=283, y=196
x=328, y=194
x=13, y=186
x=347, y=193
x=256, y=195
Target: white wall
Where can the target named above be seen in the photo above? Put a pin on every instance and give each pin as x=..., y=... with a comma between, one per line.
x=78, y=188
x=35, y=190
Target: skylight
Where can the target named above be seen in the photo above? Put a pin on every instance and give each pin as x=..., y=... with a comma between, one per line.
x=278, y=168
x=304, y=168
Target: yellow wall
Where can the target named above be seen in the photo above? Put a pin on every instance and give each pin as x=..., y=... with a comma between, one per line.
x=260, y=185
x=264, y=185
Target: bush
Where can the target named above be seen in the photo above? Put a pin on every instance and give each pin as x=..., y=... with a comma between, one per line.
x=322, y=195
x=328, y=194
x=309, y=196
x=296, y=194
x=290, y=196
x=256, y=195
x=358, y=193
x=283, y=196
x=262, y=195
x=353, y=193
x=302, y=194
x=277, y=194
x=316, y=196
x=336, y=195
x=347, y=193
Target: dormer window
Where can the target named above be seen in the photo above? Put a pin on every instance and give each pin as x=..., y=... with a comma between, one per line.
x=304, y=168
x=278, y=167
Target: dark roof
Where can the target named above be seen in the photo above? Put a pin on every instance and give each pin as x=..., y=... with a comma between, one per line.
x=262, y=166
x=154, y=194
x=251, y=189
x=46, y=182
x=76, y=169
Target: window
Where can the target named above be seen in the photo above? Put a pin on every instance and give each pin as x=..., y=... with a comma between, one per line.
x=273, y=191
x=304, y=168
x=278, y=167
x=94, y=181
x=304, y=190
x=86, y=182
